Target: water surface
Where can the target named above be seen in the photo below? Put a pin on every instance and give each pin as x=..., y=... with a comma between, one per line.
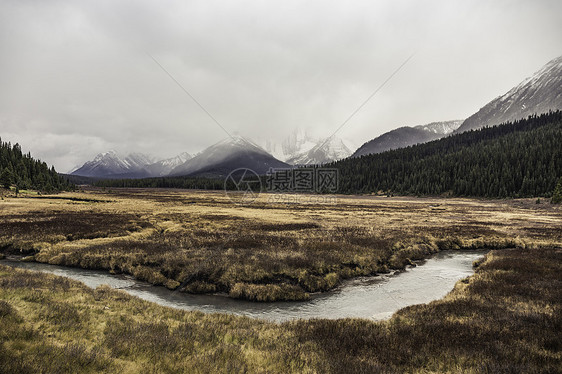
x=373, y=297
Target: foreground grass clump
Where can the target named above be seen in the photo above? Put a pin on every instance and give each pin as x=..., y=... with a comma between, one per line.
x=507, y=318
x=199, y=242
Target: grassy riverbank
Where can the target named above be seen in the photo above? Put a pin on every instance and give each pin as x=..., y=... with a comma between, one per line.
x=506, y=318
x=200, y=242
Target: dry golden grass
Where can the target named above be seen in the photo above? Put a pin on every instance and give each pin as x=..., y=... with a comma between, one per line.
x=200, y=242
x=55, y=325
x=505, y=319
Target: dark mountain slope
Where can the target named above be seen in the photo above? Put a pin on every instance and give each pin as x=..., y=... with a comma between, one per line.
x=405, y=136
x=220, y=159
x=518, y=159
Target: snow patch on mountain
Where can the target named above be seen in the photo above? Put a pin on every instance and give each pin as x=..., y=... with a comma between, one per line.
x=442, y=128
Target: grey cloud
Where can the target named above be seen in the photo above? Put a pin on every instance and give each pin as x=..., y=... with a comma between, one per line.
x=75, y=79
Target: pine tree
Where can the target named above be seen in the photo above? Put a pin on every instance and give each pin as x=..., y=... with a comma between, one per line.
x=6, y=178
x=557, y=194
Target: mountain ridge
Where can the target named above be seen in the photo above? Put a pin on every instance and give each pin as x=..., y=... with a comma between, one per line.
x=111, y=164
x=536, y=94
x=406, y=136
x=229, y=154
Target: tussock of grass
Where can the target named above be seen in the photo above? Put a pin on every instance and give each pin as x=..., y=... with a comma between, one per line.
x=259, y=292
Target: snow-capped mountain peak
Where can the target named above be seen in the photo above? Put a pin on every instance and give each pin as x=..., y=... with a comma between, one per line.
x=229, y=154
x=237, y=141
x=104, y=155
x=300, y=148
x=539, y=79
x=537, y=94
x=112, y=164
x=324, y=151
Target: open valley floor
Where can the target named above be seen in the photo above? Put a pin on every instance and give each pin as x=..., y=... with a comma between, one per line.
x=504, y=318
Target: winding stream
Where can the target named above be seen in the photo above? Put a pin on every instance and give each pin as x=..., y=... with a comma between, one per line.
x=374, y=297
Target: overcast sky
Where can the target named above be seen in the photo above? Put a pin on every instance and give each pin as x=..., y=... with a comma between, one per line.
x=76, y=78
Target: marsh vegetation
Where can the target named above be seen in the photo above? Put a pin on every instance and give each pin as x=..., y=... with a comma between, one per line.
x=504, y=319
x=199, y=242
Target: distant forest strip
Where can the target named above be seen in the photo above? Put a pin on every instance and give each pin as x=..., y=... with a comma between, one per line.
x=167, y=182
x=516, y=159
x=25, y=172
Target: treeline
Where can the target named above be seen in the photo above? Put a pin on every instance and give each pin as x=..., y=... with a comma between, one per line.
x=25, y=172
x=164, y=182
x=516, y=159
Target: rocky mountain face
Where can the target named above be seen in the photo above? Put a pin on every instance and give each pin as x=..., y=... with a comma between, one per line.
x=538, y=94
x=406, y=136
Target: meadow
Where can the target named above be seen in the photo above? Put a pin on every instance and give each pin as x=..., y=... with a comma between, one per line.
x=200, y=242
x=506, y=318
